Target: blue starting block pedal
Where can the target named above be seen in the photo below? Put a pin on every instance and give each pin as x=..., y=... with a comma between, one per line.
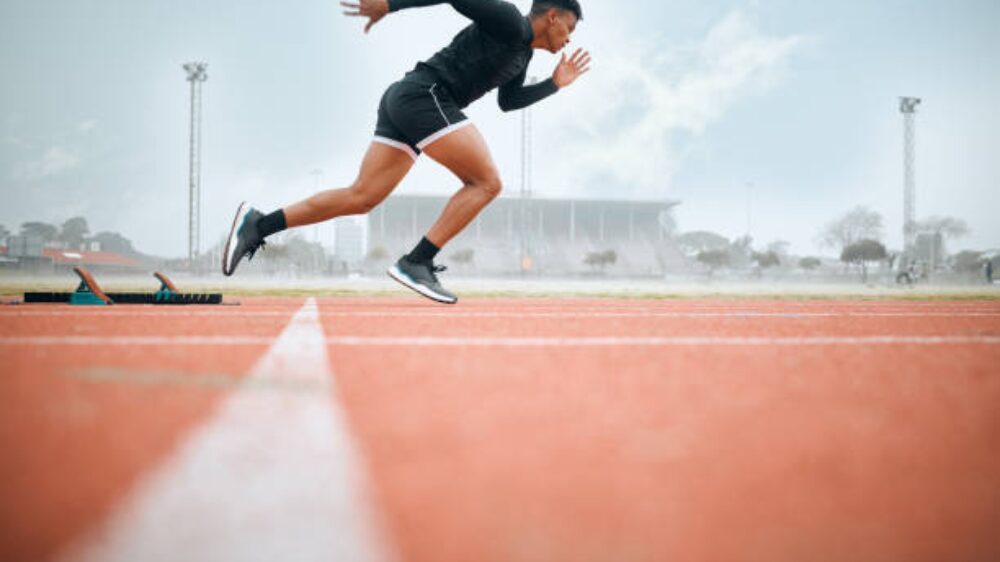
x=89, y=293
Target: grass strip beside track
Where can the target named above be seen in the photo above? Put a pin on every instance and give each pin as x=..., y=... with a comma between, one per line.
x=13, y=289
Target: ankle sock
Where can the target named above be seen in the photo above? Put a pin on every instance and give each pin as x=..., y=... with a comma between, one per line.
x=424, y=252
x=271, y=224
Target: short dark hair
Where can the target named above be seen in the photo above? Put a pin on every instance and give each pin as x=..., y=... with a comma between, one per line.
x=539, y=7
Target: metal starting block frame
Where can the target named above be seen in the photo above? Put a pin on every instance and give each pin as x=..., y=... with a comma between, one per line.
x=89, y=292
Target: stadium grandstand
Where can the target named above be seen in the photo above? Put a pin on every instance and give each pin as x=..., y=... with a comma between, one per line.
x=544, y=236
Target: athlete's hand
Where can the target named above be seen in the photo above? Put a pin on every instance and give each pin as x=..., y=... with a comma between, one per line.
x=569, y=70
x=374, y=10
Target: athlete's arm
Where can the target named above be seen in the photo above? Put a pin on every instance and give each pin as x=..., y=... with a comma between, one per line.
x=497, y=18
x=515, y=95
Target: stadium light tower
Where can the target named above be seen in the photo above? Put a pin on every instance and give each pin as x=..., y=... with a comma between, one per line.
x=526, y=177
x=197, y=72
x=908, y=107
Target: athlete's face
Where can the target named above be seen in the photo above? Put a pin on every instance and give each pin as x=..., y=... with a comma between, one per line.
x=562, y=23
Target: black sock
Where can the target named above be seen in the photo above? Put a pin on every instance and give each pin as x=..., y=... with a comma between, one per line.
x=270, y=224
x=424, y=252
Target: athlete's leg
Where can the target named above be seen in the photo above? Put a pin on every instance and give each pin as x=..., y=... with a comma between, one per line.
x=465, y=153
x=381, y=171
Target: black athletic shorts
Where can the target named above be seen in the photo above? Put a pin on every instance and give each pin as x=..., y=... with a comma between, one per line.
x=415, y=112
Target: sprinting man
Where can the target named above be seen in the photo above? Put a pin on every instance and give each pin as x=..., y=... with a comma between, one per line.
x=423, y=113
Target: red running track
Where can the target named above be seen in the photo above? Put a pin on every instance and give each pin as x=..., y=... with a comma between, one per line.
x=546, y=429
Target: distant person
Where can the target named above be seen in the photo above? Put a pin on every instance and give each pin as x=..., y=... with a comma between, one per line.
x=989, y=272
x=423, y=112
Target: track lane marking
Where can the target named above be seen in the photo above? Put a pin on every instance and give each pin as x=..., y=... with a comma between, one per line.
x=656, y=341
x=271, y=476
x=609, y=313
x=438, y=341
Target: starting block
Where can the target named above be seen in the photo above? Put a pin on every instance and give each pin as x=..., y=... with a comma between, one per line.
x=90, y=293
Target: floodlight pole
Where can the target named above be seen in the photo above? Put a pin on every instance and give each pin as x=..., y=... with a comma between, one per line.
x=196, y=74
x=908, y=107
x=526, y=169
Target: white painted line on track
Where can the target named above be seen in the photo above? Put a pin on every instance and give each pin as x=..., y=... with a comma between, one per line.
x=126, y=313
x=657, y=341
x=104, y=341
x=489, y=341
x=641, y=314
x=525, y=314
x=271, y=476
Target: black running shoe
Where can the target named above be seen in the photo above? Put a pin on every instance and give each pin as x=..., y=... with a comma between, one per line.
x=244, y=240
x=422, y=278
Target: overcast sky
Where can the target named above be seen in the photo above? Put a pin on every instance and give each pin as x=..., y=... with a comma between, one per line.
x=784, y=108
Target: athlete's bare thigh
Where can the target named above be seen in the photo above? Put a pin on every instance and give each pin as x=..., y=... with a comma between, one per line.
x=382, y=168
x=465, y=153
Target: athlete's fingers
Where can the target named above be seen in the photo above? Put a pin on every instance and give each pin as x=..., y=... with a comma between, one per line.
x=583, y=62
x=356, y=14
x=580, y=56
x=369, y=25
x=352, y=5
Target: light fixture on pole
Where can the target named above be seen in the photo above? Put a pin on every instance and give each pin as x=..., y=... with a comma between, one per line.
x=197, y=72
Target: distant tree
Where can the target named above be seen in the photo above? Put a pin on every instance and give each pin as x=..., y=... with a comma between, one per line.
x=74, y=231
x=765, y=260
x=858, y=224
x=968, y=261
x=948, y=227
x=743, y=244
x=861, y=253
x=779, y=247
x=305, y=255
x=695, y=242
x=714, y=259
x=601, y=260
x=810, y=264
x=114, y=242
x=464, y=256
x=46, y=232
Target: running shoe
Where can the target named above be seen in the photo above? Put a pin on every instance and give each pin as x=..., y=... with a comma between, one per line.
x=422, y=278
x=244, y=240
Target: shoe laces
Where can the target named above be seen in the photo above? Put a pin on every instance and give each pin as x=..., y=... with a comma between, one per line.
x=252, y=250
x=435, y=269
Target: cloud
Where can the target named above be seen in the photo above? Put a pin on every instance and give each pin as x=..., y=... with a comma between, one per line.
x=644, y=103
x=86, y=125
x=55, y=161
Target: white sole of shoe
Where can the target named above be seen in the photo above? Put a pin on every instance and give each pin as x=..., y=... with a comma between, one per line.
x=227, y=254
x=405, y=281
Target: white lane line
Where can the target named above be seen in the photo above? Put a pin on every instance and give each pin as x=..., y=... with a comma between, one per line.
x=490, y=341
x=657, y=341
x=646, y=314
x=102, y=341
x=271, y=476
x=514, y=341
x=130, y=313
x=528, y=314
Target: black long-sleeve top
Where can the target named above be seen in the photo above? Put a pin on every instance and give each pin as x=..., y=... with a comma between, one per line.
x=492, y=52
